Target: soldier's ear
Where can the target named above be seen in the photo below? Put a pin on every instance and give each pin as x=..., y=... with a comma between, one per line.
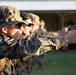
x=4, y=30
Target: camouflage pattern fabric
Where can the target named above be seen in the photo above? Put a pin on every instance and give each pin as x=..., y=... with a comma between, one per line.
x=8, y=68
x=41, y=32
x=38, y=60
x=2, y=63
x=9, y=16
x=20, y=48
x=35, y=18
x=28, y=47
x=24, y=66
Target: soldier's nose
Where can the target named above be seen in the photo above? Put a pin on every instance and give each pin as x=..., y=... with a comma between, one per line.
x=22, y=28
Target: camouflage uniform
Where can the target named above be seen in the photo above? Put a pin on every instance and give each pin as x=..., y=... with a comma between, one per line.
x=8, y=16
x=24, y=66
x=40, y=59
x=24, y=47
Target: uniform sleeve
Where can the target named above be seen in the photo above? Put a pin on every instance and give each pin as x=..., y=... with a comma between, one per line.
x=11, y=48
x=50, y=43
x=36, y=46
x=6, y=46
x=24, y=47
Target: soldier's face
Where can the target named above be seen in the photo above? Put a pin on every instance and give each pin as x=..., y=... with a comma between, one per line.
x=13, y=31
x=34, y=28
x=26, y=30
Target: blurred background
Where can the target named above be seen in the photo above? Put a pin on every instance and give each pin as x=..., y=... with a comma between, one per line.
x=55, y=13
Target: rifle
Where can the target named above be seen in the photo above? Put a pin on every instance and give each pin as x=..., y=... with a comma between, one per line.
x=73, y=27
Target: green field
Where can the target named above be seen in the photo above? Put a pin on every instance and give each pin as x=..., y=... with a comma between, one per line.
x=58, y=63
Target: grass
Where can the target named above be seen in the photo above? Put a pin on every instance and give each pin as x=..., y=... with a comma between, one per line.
x=58, y=63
